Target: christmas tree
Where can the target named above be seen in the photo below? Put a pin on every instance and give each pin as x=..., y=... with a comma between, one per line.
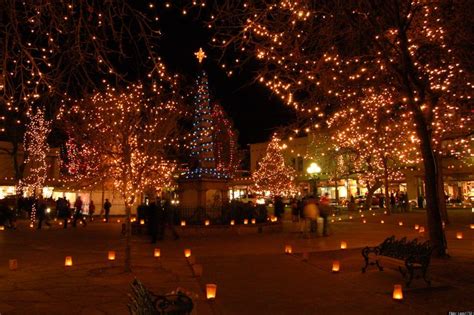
x=202, y=146
x=273, y=175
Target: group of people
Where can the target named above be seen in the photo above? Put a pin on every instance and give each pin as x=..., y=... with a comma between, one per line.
x=63, y=211
x=307, y=210
x=399, y=201
x=158, y=215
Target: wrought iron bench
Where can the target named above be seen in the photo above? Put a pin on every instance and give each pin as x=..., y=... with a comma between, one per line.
x=411, y=257
x=144, y=302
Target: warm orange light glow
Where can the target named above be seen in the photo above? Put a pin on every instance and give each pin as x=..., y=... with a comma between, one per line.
x=382, y=221
x=417, y=227
x=336, y=266
x=343, y=245
x=13, y=264
x=183, y=223
x=421, y=229
x=471, y=226
x=142, y=222
x=288, y=249
x=400, y=223
x=211, y=290
x=254, y=221
x=111, y=255
x=232, y=222
x=68, y=261
x=157, y=253
x=187, y=253
x=459, y=235
x=246, y=221
x=2, y=228
x=397, y=292
x=207, y=222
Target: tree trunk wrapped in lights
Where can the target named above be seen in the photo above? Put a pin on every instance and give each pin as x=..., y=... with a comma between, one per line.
x=127, y=134
x=318, y=55
x=36, y=150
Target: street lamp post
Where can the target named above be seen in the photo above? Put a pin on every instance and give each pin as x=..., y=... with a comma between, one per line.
x=313, y=170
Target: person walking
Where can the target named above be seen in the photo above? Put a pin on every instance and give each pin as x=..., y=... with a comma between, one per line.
x=78, y=212
x=311, y=214
x=324, y=212
x=107, y=206
x=41, y=211
x=63, y=210
x=294, y=210
x=279, y=207
x=91, y=210
x=392, y=201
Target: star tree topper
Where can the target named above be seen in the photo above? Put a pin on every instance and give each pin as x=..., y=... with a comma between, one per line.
x=200, y=55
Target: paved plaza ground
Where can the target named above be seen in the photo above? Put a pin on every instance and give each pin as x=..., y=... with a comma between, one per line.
x=251, y=271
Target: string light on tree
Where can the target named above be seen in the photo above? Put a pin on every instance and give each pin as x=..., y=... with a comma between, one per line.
x=273, y=175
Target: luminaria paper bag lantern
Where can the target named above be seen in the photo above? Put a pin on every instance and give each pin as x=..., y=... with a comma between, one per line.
x=397, y=292
x=211, y=290
x=68, y=261
x=13, y=264
x=157, y=253
x=111, y=255
x=187, y=252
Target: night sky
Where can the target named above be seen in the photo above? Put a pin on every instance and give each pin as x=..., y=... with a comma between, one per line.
x=255, y=112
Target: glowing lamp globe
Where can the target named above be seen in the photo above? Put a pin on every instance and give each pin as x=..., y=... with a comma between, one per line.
x=68, y=261
x=397, y=292
x=211, y=290
x=111, y=255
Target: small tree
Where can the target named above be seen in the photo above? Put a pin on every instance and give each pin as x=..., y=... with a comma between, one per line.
x=272, y=174
x=127, y=134
x=35, y=150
